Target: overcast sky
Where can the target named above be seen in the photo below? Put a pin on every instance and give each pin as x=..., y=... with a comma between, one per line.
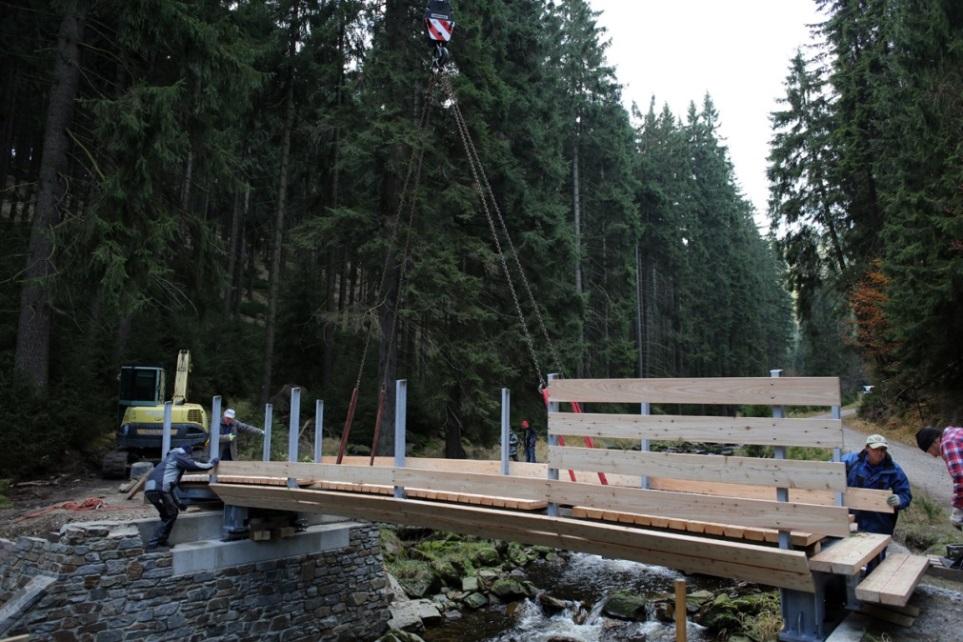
x=737, y=50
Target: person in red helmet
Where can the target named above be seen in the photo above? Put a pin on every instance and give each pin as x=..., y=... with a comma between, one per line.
x=530, y=437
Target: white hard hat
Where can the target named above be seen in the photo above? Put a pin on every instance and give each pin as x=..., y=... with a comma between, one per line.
x=229, y=413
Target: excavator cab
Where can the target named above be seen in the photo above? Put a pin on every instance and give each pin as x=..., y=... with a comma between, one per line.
x=439, y=23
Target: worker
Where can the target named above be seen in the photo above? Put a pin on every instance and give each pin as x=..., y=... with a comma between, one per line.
x=230, y=427
x=161, y=490
x=512, y=445
x=530, y=437
x=873, y=467
x=948, y=445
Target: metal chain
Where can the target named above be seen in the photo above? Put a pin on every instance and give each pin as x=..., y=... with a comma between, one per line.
x=475, y=164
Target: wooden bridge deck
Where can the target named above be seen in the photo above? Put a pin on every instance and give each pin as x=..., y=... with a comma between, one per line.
x=722, y=513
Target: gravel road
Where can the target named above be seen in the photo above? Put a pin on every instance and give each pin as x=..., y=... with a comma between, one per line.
x=925, y=473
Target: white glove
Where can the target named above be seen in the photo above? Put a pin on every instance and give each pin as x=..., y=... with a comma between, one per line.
x=957, y=518
x=228, y=437
x=894, y=501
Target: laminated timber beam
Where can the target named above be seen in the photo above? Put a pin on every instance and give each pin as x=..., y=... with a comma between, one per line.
x=756, y=513
x=749, y=562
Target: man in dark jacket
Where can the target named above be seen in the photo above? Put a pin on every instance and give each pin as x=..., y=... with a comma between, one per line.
x=161, y=487
x=531, y=438
x=230, y=428
x=873, y=467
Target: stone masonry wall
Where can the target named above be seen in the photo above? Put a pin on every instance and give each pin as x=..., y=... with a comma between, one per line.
x=109, y=590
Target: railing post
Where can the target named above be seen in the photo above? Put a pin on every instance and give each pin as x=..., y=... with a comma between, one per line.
x=838, y=452
x=401, y=408
x=166, y=439
x=268, y=420
x=293, y=432
x=318, y=429
x=779, y=452
x=645, y=410
x=214, y=438
x=552, y=509
x=506, y=428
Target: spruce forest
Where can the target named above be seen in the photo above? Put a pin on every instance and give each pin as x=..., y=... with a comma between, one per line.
x=281, y=187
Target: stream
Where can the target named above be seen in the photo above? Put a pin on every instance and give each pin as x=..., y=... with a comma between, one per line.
x=583, y=582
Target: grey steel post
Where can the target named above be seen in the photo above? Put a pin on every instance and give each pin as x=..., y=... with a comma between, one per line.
x=166, y=439
x=293, y=432
x=318, y=431
x=779, y=452
x=552, y=509
x=645, y=409
x=838, y=453
x=268, y=420
x=401, y=409
x=215, y=436
x=506, y=427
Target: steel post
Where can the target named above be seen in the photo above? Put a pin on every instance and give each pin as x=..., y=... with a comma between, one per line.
x=318, y=429
x=293, y=432
x=401, y=409
x=505, y=428
x=215, y=434
x=166, y=439
x=268, y=420
x=552, y=510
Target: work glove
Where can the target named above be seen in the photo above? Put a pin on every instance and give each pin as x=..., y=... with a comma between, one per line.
x=215, y=461
x=957, y=518
x=261, y=432
x=228, y=437
x=894, y=501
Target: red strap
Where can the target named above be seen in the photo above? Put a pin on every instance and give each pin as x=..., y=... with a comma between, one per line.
x=577, y=407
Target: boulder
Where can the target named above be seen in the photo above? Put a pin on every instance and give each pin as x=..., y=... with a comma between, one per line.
x=417, y=578
x=509, y=589
x=469, y=583
x=475, y=600
x=396, y=593
x=625, y=606
x=413, y=614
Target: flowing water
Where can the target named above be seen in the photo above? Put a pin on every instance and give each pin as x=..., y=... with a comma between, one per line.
x=583, y=582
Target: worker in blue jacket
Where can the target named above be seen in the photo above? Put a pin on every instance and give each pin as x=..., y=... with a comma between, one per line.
x=873, y=467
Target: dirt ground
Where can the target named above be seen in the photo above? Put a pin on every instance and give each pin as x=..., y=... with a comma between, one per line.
x=35, y=510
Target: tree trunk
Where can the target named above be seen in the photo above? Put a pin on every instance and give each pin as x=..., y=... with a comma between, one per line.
x=282, y=208
x=639, y=337
x=32, y=356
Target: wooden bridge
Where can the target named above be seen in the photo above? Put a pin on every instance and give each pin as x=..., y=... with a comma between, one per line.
x=769, y=520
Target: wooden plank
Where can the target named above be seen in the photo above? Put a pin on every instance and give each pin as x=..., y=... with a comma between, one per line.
x=764, y=431
x=307, y=471
x=800, y=539
x=763, y=391
x=829, y=520
x=855, y=498
x=848, y=556
x=894, y=580
x=749, y=562
x=781, y=473
x=140, y=483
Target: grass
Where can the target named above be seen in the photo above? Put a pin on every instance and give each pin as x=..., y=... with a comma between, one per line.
x=925, y=526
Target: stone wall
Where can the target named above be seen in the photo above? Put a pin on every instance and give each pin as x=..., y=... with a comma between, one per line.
x=109, y=590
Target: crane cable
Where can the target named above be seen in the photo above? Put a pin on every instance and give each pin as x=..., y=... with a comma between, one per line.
x=407, y=196
x=485, y=193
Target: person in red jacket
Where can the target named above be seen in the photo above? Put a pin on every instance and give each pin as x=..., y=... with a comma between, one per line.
x=948, y=445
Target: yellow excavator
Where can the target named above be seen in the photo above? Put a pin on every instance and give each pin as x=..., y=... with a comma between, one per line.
x=141, y=415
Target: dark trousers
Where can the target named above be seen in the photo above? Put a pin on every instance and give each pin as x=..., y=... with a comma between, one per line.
x=530, y=453
x=167, y=508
